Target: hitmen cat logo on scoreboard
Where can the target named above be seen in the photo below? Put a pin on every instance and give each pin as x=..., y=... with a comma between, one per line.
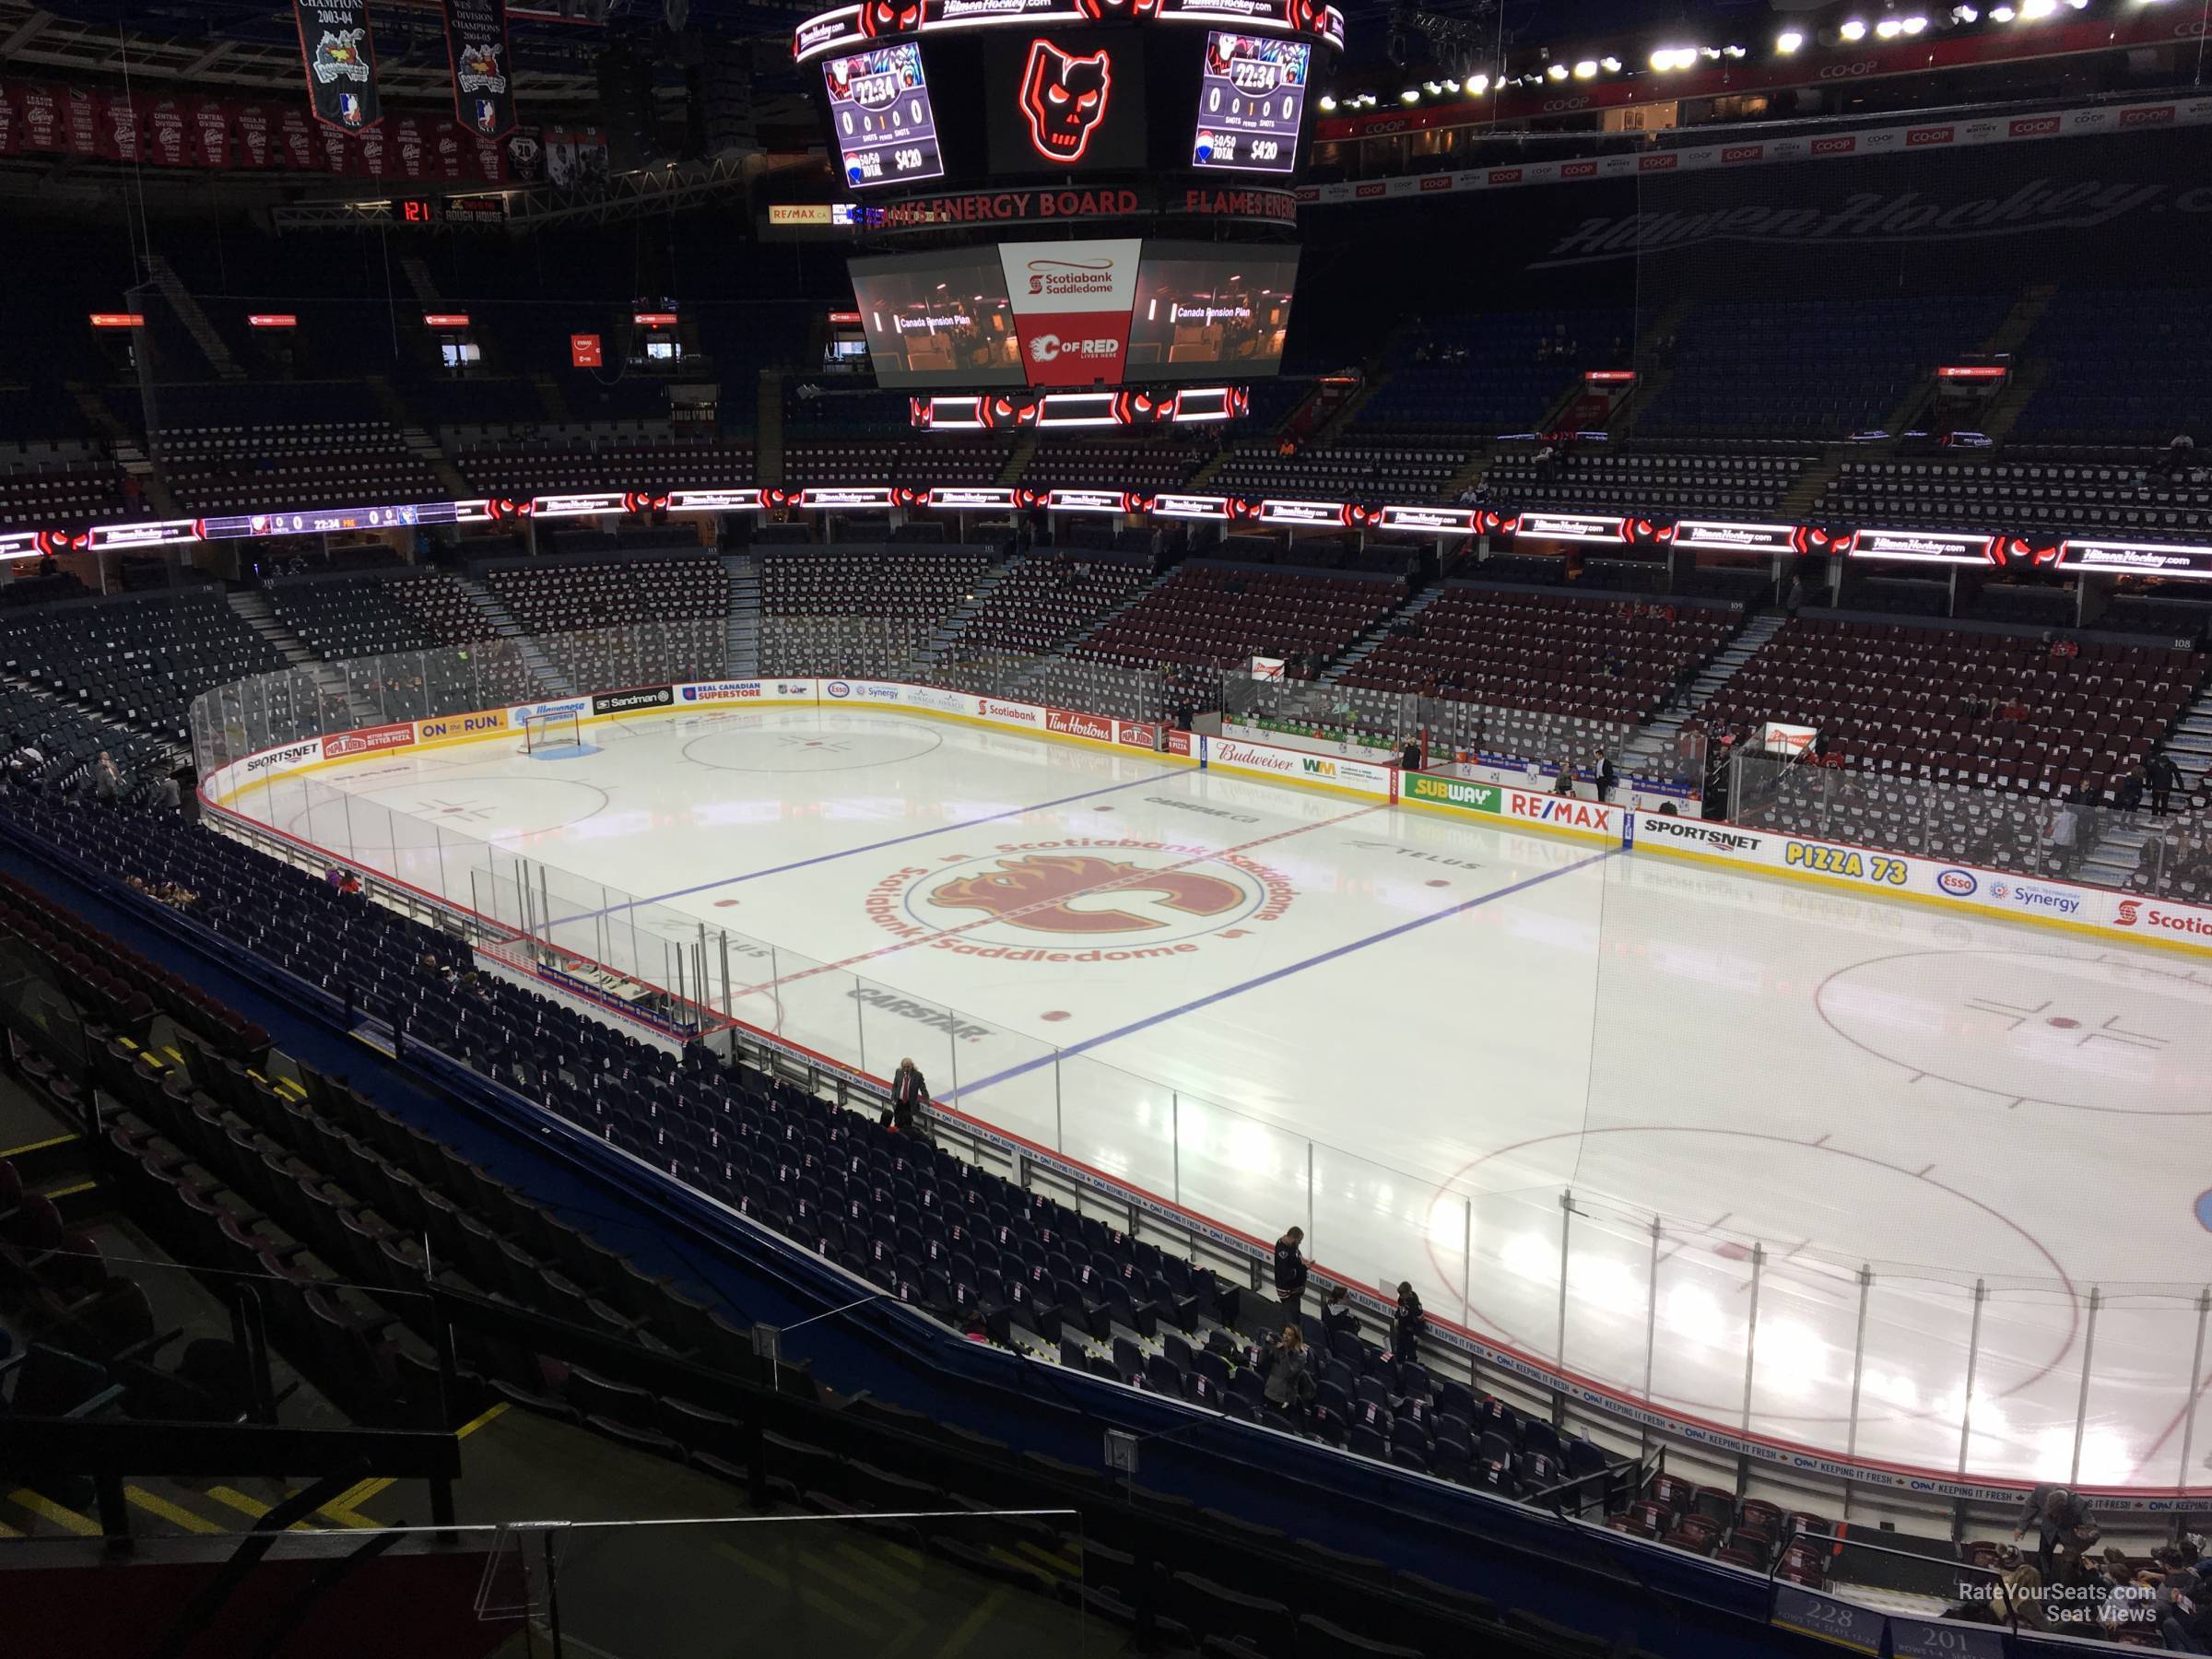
x=1063, y=98
x=1080, y=901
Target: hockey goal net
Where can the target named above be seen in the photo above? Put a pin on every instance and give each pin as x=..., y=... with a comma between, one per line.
x=559, y=730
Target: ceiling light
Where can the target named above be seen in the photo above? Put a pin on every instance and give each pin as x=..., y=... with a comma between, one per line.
x=1558, y=72
x=1964, y=14
x=2032, y=10
x=1328, y=105
x=1478, y=86
x=1734, y=51
x=1889, y=28
x=1430, y=88
x=1611, y=65
x=2001, y=14
x=1409, y=95
x=1788, y=41
x=1855, y=29
x=1914, y=25
x=1584, y=70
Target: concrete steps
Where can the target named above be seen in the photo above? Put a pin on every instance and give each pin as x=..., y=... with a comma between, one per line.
x=254, y=609
x=742, y=628
x=1367, y=643
x=489, y=604
x=1653, y=742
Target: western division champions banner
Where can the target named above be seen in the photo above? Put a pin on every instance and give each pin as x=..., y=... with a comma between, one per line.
x=341, y=63
x=476, y=43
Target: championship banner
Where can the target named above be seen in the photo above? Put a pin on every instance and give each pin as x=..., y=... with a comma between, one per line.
x=340, y=60
x=476, y=44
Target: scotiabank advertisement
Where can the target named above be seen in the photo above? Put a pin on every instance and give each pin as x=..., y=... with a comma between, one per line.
x=1071, y=307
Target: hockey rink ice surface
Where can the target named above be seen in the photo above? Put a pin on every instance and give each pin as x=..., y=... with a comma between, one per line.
x=1412, y=1034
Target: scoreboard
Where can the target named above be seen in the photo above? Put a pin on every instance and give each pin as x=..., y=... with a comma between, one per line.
x=1136, y=156
x=1251, y=103
x=880, y=110
x=1069, y=91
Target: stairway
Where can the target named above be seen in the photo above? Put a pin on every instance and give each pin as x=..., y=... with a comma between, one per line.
x=1811, y=484
x=195, y=321
x=1651, y=750
x=489, y=604
x=933, y=648
x=254, y=609
x=550, y=394
x=419, y=442
x=2114, y=855
x=419, y=281
x=1364, y=646
x=1019, y=458
x=768, y=429
x=742, y=630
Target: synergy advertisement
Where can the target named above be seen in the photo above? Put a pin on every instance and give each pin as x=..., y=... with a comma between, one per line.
x=1071, y=302
x=939, y=318
x=880, y=110
x=1203, y=309
x=1250, y=103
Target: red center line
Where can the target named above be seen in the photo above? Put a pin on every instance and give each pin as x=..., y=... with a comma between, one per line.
x=1139, y=879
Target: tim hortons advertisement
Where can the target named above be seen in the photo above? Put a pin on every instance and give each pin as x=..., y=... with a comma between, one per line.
x=1069, y=723
x=1071, y=306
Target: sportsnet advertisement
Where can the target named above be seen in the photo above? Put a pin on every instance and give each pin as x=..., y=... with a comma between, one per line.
x=1071, y=306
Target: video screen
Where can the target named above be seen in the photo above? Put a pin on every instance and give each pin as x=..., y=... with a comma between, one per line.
x=1066, y=106
x=879, y=108
x=1251, y=99
x=1203, y=310
x=939, y=318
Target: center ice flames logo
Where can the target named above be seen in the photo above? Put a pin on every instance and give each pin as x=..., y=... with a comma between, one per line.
x=1032, y=892
x=1080, y=900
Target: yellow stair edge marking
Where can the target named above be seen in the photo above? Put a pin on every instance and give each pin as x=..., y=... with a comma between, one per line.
x=251, y=1506
x=175, y=1514
x=67, y=1519
x=474, y=1423
x=40, y=1146
x=971, y=1625
x=70, y=1191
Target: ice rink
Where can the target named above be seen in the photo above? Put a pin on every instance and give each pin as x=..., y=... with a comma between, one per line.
x=1415, y=1035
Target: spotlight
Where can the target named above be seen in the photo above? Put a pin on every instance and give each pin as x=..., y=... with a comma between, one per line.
x=1450, y=86
x=1583, y=70
x=1611, y=65
x=1430, y=88
x=2002, y=14
x=1328, y=105
x=1914, y=25
x=1409, y=97
x=1734, y=51
x=1964, y=14
x=1558, y=72
x=2032, y=9
x=1788, y=41
x=1855, y=29
x=1889, y=28
x=1478, y=86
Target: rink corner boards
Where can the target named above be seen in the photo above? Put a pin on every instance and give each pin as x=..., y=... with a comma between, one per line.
x=2099, y=912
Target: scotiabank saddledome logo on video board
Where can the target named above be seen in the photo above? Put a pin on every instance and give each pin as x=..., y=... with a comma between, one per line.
x=1064, y=99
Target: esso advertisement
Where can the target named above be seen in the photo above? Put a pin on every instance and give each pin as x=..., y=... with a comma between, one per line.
x=1071, y=303
x=1250, y=102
